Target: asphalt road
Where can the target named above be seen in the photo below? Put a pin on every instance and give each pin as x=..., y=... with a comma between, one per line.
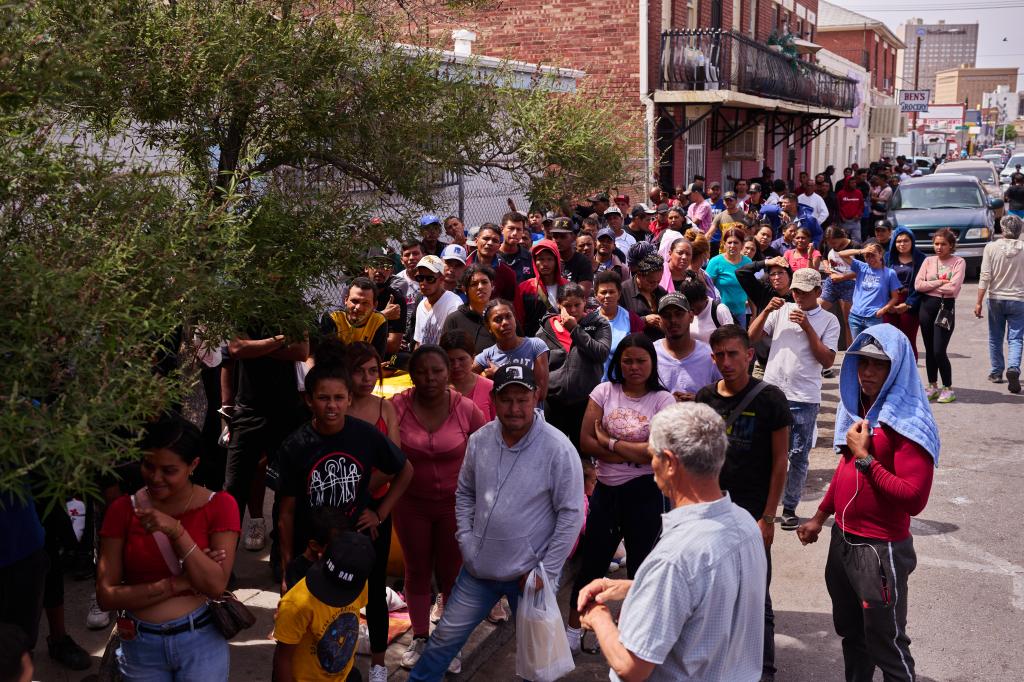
x=966, y=597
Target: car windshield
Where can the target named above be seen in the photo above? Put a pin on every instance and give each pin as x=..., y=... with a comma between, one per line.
x=958, y=195
x=983, y=174
x=1017, y=160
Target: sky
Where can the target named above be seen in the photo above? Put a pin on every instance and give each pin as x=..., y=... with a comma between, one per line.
x=997, y=19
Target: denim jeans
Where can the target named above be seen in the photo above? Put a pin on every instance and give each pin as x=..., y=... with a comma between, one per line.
x=195, y=655
x=859, y=323
x=1005, y=319
x=470, y=601
x=801, y=435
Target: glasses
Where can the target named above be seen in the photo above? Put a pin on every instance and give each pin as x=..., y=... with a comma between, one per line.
x=381, y=265
x=430, y=279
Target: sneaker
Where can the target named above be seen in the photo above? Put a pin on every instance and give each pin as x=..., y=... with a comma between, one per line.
x=828, y=373
x=575, y=637
x=996, y=377
x=1013, y=379
x=437, y=610
x=613, y=566
x=932, y=391
x=947, y=395
x=790, y=521
x=413, y=653
x=378, y=673
x=498, y=613
x=67, y=652
x=256, y=535
x=97, y=619
x=455, y=667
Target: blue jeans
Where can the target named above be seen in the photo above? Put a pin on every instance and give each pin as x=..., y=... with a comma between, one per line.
x=195, y=655
x=470, y=602
x=1005, y=319
x=801, y=435
x=859, y=323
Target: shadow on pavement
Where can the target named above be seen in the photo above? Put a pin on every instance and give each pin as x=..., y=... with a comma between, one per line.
x=994, y=397
x=926, y=527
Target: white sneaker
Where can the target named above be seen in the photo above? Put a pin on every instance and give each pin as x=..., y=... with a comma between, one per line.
x=455, y=667
x=498, y=613
x=256, y=535
x=378, y=673
x=97, y=619
x=437, y=610
x=575, y=637
x=413, y=653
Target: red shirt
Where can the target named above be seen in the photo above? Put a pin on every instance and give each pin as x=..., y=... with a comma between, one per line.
x=143, y=562
x=851, y=204
x=879, y=505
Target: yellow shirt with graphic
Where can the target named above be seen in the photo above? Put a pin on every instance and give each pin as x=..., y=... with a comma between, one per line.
x=326, y=635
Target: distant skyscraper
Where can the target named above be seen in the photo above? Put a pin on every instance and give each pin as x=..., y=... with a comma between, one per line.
x=943, y=46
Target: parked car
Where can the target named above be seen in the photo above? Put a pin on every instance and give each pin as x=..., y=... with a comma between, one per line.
x=997, y=159
x=1011, y=167
x=926, y=204
x=983, y=171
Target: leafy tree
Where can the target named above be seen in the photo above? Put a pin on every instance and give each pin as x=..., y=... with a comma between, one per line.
x=1006, y=132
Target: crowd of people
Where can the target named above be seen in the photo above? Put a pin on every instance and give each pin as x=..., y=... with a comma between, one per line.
x=585, y=382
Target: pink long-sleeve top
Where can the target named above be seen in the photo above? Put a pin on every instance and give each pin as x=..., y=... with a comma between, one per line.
x=941, y=279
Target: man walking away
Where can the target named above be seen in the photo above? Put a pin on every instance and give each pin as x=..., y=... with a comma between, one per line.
x=1002, y=277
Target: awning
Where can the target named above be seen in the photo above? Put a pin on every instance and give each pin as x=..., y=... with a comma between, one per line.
x=806, y=46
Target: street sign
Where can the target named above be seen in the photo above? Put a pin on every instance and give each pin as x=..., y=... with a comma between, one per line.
x=921, y=32
x=914, y=100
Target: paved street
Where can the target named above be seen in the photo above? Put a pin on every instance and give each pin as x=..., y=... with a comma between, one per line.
x=966, y=596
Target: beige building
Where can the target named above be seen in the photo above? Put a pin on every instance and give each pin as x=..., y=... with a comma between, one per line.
x=954, y=86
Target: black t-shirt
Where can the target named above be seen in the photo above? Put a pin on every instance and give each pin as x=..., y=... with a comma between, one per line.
x=319, y=470
x=385, y=293
x=266, y=388
x=578, y=269
x=747, y=472
x=520, y=262
x=1015, y=197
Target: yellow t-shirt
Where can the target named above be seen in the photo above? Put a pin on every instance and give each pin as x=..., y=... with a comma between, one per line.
x=326, y=635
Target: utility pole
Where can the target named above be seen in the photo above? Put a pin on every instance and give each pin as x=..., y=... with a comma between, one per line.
x=917, y=72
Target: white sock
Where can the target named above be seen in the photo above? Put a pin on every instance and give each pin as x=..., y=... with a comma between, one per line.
x=573, y=634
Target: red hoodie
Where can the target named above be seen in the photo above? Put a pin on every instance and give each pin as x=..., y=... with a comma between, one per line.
x=531, y=303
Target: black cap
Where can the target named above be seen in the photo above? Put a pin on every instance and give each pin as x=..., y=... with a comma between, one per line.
x=600, y=196
x=673, y=299
x=340, y=575
x=884, y=224
x=561, y=225
x=640, y=209
x=520, y=375
x=378, y=253
x=755, y=187
x=662, y=208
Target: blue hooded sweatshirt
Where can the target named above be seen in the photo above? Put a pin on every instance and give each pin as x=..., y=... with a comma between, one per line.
x=913, y=298
x=901, y=404
x=772, y=213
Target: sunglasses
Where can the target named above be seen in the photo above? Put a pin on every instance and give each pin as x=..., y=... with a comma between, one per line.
x=430, y=279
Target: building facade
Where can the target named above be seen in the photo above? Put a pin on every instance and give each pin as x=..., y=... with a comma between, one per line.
x=965, y=85
x=943, y=46
x=865, y=41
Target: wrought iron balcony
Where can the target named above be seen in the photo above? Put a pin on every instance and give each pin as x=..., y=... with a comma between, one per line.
x=712, y=59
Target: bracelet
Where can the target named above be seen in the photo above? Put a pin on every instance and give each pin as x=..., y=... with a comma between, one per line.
x=611, y=444
x=181, y=561
x=178, y=534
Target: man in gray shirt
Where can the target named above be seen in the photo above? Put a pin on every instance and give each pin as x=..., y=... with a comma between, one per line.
x=695, y=610
x=518, y=506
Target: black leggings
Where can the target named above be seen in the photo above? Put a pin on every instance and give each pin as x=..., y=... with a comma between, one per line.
x=376, y=598
x=936, y=339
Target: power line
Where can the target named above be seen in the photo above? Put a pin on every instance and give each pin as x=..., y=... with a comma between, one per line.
x=916, y=9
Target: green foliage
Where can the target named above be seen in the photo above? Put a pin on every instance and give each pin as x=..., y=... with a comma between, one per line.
x=1005, y=132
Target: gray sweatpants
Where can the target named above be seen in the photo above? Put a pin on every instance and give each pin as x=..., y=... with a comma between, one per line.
x=867, y=580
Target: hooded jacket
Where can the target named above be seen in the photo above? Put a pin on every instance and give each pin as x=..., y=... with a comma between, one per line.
x=531, y=303
x=1002, y=270
x=774, y=214
x=913, y=298
x=574, y=374
x=518, y=506
x=465, y=319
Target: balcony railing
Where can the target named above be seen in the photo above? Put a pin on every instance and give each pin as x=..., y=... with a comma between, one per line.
x=712, y=59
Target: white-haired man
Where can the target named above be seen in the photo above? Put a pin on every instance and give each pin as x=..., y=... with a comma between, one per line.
x=695, y=610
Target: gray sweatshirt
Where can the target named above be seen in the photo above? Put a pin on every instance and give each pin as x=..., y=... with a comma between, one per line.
x=520, y=506
x=1002, y=270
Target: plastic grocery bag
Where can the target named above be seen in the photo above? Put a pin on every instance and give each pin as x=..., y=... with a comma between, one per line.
x=542, y=650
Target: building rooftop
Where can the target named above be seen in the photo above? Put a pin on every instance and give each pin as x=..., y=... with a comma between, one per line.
x=835, y=18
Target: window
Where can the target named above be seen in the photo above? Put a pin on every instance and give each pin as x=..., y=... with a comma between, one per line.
x=752, y=30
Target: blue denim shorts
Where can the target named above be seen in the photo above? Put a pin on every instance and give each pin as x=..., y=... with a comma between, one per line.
x=199, y=654
x=833, y=292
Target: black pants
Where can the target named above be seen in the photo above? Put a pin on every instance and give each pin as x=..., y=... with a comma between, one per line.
x=377, y=601
x=768, y=657
x=630, y=512
x=867, y=581
x=210, y=472
x=60, y=536
x=936, y=339
x=567, y=418
x=21, y=593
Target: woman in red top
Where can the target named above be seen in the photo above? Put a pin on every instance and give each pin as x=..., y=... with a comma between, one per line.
x=163, y=552
x=435, y=422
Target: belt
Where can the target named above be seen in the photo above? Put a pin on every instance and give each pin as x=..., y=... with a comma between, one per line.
x=202, y=621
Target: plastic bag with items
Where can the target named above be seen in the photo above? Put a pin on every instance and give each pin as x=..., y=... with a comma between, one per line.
x=542, y=650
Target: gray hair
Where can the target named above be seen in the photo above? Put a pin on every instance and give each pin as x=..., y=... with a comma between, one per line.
x=694, y=433
x=1011, y=225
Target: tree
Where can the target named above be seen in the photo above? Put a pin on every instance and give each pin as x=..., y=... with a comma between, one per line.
x=193, y=167
x=1006, y=132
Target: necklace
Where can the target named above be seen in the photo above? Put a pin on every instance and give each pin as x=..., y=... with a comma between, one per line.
x=189, y=502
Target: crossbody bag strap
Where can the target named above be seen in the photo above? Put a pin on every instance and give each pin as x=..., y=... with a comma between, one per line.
x=747, y=399
x=140, y=500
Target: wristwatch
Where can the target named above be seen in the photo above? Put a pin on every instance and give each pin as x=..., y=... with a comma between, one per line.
x=611, y=444
x=864, y=465
x=768, y=518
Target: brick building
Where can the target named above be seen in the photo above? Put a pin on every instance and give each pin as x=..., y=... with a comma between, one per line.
x=694, y=80
x=863, y=40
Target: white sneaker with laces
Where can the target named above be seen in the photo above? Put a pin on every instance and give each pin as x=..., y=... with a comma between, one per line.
x=97, y=618
x=378, y=673
x=413, y=653
x=437, y=610
x=256, y=535
x=575, y=637
x=455, y=667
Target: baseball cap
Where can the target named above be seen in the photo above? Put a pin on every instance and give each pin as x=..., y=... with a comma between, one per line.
x=561, y=225
x=339, y=577
x=621, y=198
x=600, y=196
x=378, y=253
x=549, y=217
x=454, y=252
x=674, y=299
x=432, y=263
x=429, y=219
x=870, y=349
x=755, y=187
x=520, y=375
x=613, y=210
x=662, y=208
x=806, y=279
x=606, y=232
x=729, y=195
x=693, y=187
x=641, y=209
x=471, y=234
x=883, y=224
